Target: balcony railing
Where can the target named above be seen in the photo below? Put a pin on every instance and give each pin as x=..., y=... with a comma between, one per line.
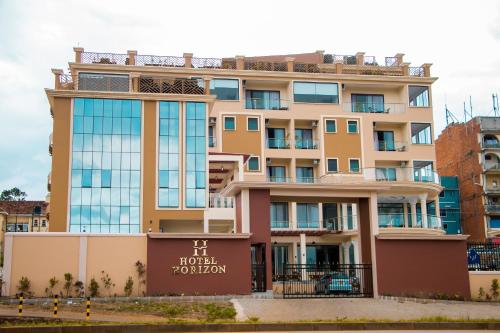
x=391, y=146
x=416, y=71
x=343, y=223
x=278, y=179
x=217, y=201
x=266, y=66
x=266, y=104
x=375, y=107
x=272, y=143
x=397, y=220
x=491, y=144
x=492, y=208
x=492, y=166
x=105, y=58
x=162, y=61
x=280, y=224
x=493, y=189
x=401, y=174
x=306, y=144
x=213, y=63
x=163, y=85
x=307, y=224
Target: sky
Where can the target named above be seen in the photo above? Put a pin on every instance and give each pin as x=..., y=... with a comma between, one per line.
x=460, y=38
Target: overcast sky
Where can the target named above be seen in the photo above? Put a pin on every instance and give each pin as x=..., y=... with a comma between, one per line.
x=461, y=39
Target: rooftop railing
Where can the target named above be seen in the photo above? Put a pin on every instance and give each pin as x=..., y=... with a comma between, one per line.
x=171, y=86
x=349, y=64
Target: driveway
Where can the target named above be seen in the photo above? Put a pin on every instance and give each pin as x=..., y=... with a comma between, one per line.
x=343, y=309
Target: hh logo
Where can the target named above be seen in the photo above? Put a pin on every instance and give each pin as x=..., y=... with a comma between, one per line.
x=200, y=248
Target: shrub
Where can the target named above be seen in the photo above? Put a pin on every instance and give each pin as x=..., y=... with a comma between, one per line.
x=53, y=282
x=93, y=288
x=495, y=288
x=79, y=288
x=141, y=274
x=481, y=293
x=107, y=282
x=24, y=286
x=129, y=286
x=68, y=283
x=215, y=311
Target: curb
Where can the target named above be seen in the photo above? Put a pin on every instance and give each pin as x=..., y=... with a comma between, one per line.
x=247, y=327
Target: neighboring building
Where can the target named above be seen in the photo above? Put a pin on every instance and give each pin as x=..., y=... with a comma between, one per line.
x=471, y=151
x=449, y=205
x=261, y=162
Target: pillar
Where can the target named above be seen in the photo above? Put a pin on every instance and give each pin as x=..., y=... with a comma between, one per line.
x=413, y=211
x=240, y=62
x=303, y=254
x=339, y=67
x=399, y=58
x=293, y=215
x=427, y=69
x=205, y=223
x=360, y=58
x=354, y=216
x=188, y=57
x=405, y=67
x=423, y=209
x=131, y=57
x=290, y=63
x=78, y=54
x=345, y=225
x=355, y=244
x=345, y=247
x=57, y=78
x=206, y=85
x=405, y=215
x=295, y=258
x=245, y=211
x=320, y=215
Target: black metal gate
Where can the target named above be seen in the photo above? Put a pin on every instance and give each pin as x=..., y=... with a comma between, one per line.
x=309, y=280
x=259, y=277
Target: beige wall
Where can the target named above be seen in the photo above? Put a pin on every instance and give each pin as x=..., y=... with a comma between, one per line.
x=482, y=279
x=84, y=256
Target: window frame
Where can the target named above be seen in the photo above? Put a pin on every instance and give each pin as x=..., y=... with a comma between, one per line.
x=326, y=126
x=315, y=83
x=359, y=165
x=429, y=100
x=430, y=134
x=226, y=78
x=258, y=161
x=224, y=123
x=357, y=126
x=258, y=124
x=337, y=162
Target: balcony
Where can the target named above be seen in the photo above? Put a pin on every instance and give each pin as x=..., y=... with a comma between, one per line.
x=221, y=208
x=387, y=108
x=492, y=167
x=401, y=174
x=337, y=224
x=398, y=146
x=398, y=221
x=279, y=179
x=306, y=144
x=265, y=104
x=272, y=143
x=492, y=209
x=168, y=85
x=492, y=189
x=280, y=224
x=491, y=145
x=307, y=224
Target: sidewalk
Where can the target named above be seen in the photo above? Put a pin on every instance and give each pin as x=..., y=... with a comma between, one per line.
x=352, y=309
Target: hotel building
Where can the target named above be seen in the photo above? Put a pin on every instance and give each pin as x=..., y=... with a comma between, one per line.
x=265, y=162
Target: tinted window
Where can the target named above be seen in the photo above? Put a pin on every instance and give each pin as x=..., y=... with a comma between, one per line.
x=332, y=165
x=253, y=124
x=312, y=92
x=225, y=89
x=331, y=126
x=253, y=163
x=418, y=96
x=229, y=123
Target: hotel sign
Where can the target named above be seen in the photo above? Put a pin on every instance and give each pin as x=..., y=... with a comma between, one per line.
x=199, y=262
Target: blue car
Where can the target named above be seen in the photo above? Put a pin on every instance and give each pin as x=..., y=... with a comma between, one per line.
x=336, y=283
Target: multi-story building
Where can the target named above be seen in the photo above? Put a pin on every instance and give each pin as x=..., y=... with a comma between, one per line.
x=312, y=159
x=470, y=151
x=449, y=205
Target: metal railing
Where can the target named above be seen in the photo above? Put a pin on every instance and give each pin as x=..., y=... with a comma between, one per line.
x=391, y=61
x=277, y=143
x=266, y=104
x=326, y=280
x=307, y=224
x=406, y=174
x=397, y=220
x=491, y=144
x=374, y=107
x=416, y=71
x=483, y=256
x=306, y=180
x=217, y=201
x=492, y=208
x=370, y=61
x=168, y=85
x=341, y=223
x=280, y=224
x=104, y=58
x=306, y=144
x=213, y=63
x=278, y=179
x=344, y=59
x=305, y=68
x=391, y=146
x=162, y=61
x=492, y=166
x=266, y=66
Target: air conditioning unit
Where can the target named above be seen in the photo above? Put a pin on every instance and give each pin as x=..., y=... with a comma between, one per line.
x=212, y=120
x=268, y=161
x=314, y=123
x=315, y=162
x=267, y=122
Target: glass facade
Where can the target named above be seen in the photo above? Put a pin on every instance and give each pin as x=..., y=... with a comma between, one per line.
x=315, y=92
x=106, y=166
x=196, y=163
x=418, y=96
x=168, y=155
x=262, y=99
x=367, y=103
x=225, y=89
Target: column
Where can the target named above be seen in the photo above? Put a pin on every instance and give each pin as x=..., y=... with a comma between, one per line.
x=423, y=209
x=405, y=215
x=205, y=222
x=303, y=254
x=345, y=246
x=295, y=258
x=289, y=63
x=293, y=215
x=355, y=245
x=57, y=77
x=413, y=211
x=188, y=57
x=245, y=211
x=240, y=62
x=131, y=57
x=354, y=216
x=320, y=215
x=292, y=173
x=78, y=54
x=344, y=217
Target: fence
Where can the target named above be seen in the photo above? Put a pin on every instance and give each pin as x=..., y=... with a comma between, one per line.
x=259, y=277
x=333, y=280
x=483, y=256
x=170, y=86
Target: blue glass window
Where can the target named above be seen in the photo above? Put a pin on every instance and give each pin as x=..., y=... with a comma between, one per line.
x=418, y=96
x=316, y=92
x=332, y=165
x=168, y=159
x=331, y=126
x=352, y=126
x=229, y=123
x=225, y=89
x=196, y=168
x=105, y=175
x=253, y=164
x=354, y=166
x=253, y=124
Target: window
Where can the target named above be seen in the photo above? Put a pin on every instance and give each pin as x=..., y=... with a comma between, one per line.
x=421, y=133
x=307, y=215
x=332, y=165
x=367, y=103
x=418, y=96
x=44, y=223
x=35, y=223
x=331, y=126
x=276, y=174
x=196, y=168
x=229, y=123
x=390, y=215
x=252, y=124
x=305, y=174
x=253, y=163
x=279, y=215
x=315, y=92
x=385, y=174
x=225, y=89
x=103, y=82
x=354, y=165
x=384, y=141
x=168, y=158
x=423, y=171
x=276, y=138
x=106, y=166
x=442, y=213
x=304, y=139
x=352, y=126
x=262, y=99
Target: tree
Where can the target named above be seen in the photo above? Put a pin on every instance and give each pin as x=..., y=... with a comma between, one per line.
x=140, y=268
x=68, y=283
x=14, y=194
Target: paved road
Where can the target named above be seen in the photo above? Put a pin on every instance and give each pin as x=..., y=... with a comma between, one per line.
x=341, y=309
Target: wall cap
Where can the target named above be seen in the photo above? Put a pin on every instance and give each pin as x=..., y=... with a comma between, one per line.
x=198, y=235
x=422, y=237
